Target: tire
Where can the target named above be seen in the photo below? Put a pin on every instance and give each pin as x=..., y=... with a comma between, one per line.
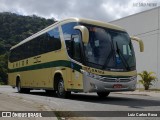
x=20, y=89
x=61, y=90
x=103, y=94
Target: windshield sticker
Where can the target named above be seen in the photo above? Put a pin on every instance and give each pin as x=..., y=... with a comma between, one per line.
x=96, y=43
x=118, y=61
x=89, y=53
x=124, y=49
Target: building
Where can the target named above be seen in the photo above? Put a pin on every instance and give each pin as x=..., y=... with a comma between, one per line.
x=145, y=25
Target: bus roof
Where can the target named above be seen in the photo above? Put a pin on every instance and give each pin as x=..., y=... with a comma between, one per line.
x=82, y=20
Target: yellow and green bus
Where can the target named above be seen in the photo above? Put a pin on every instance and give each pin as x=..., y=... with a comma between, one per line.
x=75, y=55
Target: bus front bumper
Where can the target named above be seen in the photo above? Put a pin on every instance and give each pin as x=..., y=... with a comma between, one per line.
x=108, y=84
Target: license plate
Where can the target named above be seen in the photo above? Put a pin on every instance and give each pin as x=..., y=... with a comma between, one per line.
x=117, y=86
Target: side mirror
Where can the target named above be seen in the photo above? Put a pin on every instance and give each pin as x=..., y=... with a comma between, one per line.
x=141, y=45
x=85, y=33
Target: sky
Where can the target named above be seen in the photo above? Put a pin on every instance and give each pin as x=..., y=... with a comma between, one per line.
x=103, y=10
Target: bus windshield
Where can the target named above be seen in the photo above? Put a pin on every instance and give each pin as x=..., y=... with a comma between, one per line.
x=109, y=50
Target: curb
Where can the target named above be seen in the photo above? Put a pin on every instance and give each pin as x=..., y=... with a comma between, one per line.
x=144, y=93
x=125, y=93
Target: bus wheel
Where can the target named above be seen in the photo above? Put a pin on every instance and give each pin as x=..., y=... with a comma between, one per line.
x=61, y=91
x=20, y=89
x=103, y=94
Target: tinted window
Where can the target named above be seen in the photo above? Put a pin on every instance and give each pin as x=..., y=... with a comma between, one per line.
x=53, y=40
x=44, y=43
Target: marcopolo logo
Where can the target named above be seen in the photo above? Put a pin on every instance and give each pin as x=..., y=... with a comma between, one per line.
x=118, y=80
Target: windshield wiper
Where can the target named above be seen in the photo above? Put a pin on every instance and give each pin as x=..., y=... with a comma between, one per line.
x=109, y=56
x=122, y=57
x=107, y=59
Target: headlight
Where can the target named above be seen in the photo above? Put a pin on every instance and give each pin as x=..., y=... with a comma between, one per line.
x=91, y=74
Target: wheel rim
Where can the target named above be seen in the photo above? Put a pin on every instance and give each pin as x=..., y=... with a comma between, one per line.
x=61, y=88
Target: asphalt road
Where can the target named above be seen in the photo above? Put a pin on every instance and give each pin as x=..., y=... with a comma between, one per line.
x=91, y=102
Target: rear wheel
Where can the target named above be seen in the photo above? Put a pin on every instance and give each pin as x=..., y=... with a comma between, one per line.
x=20, y=89
x=103, y=94
x=61, y=90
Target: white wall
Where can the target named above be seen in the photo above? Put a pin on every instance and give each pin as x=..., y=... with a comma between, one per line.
x=145, y=25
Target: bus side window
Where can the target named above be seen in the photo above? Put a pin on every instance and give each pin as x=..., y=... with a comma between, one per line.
x=42, y=44
x=53, y=40
x=72, y=40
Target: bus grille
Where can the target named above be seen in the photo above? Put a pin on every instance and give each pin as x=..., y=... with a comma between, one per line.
x=105, y=79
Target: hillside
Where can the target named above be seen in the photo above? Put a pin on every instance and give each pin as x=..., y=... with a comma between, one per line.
x=13, y=29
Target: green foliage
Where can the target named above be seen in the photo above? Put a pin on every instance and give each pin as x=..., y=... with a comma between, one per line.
x=1, y=82
x=147, y=79
x=13, y=29
x=3, y=68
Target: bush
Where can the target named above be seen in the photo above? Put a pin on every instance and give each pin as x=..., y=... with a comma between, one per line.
x=147, y=79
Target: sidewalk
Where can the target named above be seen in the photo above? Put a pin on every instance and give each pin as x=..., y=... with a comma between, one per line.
x=143, y=93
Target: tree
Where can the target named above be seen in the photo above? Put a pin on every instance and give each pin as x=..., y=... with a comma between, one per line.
x=13, y=29
x=3, y=68
x=2, y=47
x=147, y=79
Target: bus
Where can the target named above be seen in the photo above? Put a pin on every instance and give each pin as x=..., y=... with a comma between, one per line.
x=75, y=55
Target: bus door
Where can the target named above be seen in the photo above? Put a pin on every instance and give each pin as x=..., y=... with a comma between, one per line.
x=76, y=55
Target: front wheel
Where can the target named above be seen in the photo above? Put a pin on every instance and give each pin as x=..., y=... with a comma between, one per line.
x=103, y=94
x=61, y=90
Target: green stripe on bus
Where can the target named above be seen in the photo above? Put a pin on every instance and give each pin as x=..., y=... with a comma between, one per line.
x=59, y=63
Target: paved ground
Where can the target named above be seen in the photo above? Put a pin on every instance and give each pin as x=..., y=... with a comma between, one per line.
x=10, y=103
x=142, y=93
x=39, y=100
